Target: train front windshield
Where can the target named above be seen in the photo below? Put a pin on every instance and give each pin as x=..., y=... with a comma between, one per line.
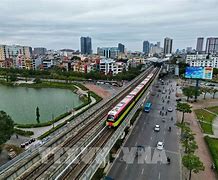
x=110, y=118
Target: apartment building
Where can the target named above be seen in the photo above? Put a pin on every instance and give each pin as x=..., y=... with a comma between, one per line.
x=15, y=56
x=203, y=60
x=110, y=66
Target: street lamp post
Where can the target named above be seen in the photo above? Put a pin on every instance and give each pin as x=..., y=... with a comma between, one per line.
x=52, y=120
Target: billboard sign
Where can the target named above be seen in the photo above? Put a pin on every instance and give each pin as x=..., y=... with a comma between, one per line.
x=199, y=72
x=208, y=73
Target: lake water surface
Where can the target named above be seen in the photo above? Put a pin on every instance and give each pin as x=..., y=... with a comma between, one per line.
x=20, y=103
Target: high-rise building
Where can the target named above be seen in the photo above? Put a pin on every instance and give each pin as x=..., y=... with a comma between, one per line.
x=121, y=48
x=154, y=49
x=16, y=56
x=168, y=44
x=158, y=44
x=200, y=44
x=40, y=51
x=146, y=47
x=212, y=45
x=108, y=52
x=86, y=45
x=189, y=49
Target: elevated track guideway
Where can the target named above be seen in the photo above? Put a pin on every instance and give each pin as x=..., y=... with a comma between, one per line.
x=76, y=170
x=51, y=160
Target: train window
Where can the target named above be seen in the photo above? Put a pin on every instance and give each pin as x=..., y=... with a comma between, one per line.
x=110, y=118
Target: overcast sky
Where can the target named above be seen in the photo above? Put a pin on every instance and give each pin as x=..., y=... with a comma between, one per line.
x=56, y=24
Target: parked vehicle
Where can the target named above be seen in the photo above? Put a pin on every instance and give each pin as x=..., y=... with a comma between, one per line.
x=12, y=154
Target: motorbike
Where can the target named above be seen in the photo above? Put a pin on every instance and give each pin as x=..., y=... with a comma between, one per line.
x=168, y=160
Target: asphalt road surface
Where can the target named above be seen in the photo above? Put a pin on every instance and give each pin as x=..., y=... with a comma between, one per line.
x=152, y=164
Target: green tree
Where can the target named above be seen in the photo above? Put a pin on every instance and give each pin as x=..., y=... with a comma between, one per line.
x=188, y=140
x=192, y=163
x=215, y=71
x=37, y=80
x=26, y=74
x=190, y=92
x=182, y=67
x=13, y=77
x=7, y=77
x=214, y=91
x=6, y=127
x=205, y=90
x=37, y=114
x=184, y=108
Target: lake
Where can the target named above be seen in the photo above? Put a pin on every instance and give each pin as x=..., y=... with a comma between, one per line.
x=20, y=103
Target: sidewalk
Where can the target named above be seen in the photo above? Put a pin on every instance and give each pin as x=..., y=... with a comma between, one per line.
x=41, y=130
x=202, y=151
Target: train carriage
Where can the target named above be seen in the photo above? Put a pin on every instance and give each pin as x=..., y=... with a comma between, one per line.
x=119, y=112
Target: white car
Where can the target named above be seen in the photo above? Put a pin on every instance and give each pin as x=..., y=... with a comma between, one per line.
x=170, y=109
x=160, y=145
x=157, y=128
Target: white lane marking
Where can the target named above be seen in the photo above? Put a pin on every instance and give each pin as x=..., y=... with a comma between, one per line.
x=159, y=176
x=126, y=167
x=135, y=143
x=142, y=171
x=151, y=137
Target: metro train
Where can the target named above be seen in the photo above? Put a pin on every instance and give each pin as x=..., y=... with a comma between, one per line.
x=119, y=112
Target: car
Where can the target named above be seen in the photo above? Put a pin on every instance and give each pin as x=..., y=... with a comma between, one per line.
x=170, y=109
x=211, y=84
x=159, y=90
x=179, y=99
x=12, y=154
x=32, y=139
x=23, y=145
x=163, y=92
x=160, y=145
x=157, y=128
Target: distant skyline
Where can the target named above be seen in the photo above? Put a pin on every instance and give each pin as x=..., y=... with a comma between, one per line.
x=57, y=24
